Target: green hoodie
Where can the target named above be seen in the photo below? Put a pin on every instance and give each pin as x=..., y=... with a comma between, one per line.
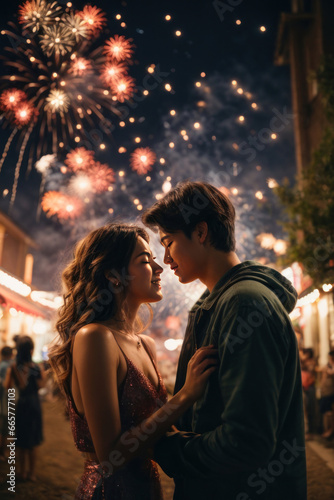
x=244, y=439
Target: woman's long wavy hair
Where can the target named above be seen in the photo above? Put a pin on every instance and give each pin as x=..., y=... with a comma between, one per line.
x=89, y=296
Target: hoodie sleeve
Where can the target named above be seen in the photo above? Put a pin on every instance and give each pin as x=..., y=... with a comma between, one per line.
x=251, y=371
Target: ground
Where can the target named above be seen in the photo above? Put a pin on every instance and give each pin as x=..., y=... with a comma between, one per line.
x=60, y=465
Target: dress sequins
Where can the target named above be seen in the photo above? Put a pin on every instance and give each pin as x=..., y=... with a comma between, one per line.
x=139, y=479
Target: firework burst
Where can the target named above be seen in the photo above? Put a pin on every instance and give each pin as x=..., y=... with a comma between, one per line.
x=46, y=102
x=57, y=40
x=119, y=48
x=142, y=159
x=24, y=114
x=94, y=19
x=57, y=100
x=113, y=71
x=9, y=99
x=80, y=66
x=75, y=25
x=123, y=88
x=79, y=159
x=37, y=13
x=80, y=184
x=62, y=205
x=101, y=177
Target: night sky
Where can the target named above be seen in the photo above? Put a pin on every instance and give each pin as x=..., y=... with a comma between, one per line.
x=221, y=151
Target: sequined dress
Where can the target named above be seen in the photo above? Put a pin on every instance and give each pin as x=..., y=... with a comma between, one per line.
x=139, y=479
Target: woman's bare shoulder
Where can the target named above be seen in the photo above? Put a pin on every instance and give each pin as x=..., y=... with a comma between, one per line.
x=95, y=335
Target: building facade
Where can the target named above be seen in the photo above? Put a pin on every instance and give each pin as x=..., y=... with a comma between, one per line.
x=23, y=310
x=305, y=37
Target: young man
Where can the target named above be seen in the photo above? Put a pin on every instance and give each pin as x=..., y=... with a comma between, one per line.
x=244, y=439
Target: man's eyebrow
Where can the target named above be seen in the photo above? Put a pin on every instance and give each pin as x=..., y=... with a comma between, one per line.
x=144, y=253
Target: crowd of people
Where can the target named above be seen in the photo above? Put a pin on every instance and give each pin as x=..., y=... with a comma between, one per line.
x=19, y=372
x=318, y=392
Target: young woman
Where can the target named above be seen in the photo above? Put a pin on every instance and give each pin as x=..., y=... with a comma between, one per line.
x=117, y=401
x=28, y=377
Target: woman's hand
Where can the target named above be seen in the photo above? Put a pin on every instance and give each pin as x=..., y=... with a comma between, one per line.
x=201, y=365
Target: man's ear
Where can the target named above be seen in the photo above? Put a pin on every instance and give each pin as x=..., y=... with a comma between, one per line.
x=202, y=231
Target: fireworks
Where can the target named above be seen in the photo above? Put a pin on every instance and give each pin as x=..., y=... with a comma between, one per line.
x=24, y=114
x=57, y=40
x=79, y=66
x=42, y=110
x=37, y=13
x=123, y=88
x=119, y=48
x=79, y=159
x=112, y=71
x=9, y=99
x=142, y=160
x=60, y=204
x=77, y=26
x=100, y=176
x=80, y=184
x=94, y=19
x=57, y=100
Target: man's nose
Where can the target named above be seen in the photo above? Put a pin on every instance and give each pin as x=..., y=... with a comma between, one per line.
x=167, y=257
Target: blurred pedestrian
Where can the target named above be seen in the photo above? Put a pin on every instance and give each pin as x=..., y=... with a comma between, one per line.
x=29, y=378
x=308, y=367
x=6, y=360
x=327, y=396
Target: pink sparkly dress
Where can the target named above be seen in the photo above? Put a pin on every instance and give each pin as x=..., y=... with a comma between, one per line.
x=139, y=479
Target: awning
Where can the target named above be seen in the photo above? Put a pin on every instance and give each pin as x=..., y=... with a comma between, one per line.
x=24, y=304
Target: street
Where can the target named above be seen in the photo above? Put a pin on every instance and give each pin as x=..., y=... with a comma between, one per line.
x=60, y=465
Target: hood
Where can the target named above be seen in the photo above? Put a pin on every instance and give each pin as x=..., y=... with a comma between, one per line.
x=251, y=270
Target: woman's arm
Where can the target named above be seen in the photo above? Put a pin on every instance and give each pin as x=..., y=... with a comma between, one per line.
x=96, y=360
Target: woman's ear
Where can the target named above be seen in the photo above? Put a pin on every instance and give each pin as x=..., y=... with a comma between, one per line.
x=115, y=281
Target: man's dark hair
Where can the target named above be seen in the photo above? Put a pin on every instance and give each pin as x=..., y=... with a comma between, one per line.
x=190, y=203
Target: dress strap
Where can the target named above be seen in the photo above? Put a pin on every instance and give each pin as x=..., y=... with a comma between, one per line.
x=148, y=350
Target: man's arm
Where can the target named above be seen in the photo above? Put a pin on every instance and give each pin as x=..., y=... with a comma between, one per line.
x=250, y=377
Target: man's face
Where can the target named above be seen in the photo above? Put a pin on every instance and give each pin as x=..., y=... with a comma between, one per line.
x=183, y=255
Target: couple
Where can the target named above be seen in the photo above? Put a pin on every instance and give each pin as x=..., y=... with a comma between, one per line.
x=237, y=405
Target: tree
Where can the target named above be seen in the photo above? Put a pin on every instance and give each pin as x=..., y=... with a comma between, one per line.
x=310, y=202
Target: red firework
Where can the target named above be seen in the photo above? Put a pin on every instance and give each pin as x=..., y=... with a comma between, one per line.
x=24, y=114
x=142, y=160
x=60, y=204
x=123, y=88
x=79, y=159
x=119, y=48
x=94, y=19
x=79, y=66
x=9, y=99
x=112, y=71
x=100, y=176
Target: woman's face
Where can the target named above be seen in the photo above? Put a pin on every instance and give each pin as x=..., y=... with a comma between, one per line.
x=144, y=281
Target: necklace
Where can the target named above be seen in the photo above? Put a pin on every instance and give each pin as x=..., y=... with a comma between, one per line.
x=138, y=342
